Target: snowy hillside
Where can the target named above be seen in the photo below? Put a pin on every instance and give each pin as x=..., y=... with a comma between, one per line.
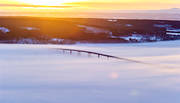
x=27, y=30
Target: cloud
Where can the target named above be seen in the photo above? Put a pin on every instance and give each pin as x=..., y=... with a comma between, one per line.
x=126, y=5
x=166, y=11
x=34, y=6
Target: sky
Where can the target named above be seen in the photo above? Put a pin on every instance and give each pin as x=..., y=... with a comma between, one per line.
x=85, y=5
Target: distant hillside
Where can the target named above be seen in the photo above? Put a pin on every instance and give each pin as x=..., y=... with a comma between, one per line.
x=73, y=30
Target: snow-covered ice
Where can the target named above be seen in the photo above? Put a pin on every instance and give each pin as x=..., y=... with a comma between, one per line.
x=112, y=20
x=129, y=25
x=134, y=37
x=173, y=32
x=4, y=30
x=43, y=74
x=96, y=30
x=162, y=25
x=30, y=28
x=170, y=33
x=57, y=40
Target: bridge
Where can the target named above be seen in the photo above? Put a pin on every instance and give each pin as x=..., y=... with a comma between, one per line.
x=99, y=55
x=113, y=57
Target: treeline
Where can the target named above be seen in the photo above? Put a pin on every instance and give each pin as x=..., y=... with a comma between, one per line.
x=91, y=31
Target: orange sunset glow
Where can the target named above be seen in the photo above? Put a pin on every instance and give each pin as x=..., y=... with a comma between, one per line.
x=47, y=2
x=101, y=4
x=55, y=7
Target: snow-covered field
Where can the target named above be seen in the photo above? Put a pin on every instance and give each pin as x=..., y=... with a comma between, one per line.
x=43, y=74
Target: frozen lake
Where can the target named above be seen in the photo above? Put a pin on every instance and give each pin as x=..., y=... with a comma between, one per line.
x=42, y=74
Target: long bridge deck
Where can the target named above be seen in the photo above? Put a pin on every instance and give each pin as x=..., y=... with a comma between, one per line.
x=100, y=55
x=113, y=57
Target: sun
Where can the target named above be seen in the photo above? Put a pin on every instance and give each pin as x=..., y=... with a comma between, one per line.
x=47, y=2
